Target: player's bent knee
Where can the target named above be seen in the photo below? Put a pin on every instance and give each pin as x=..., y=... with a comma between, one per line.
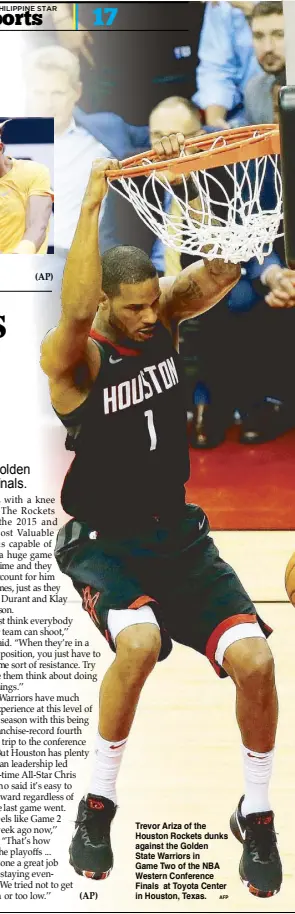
x=138, y=646
x=250, y=664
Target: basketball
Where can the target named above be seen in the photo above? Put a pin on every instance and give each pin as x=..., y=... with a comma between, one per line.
x=290, y=579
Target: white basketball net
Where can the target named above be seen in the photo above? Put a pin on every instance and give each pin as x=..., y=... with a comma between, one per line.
x=244, y=227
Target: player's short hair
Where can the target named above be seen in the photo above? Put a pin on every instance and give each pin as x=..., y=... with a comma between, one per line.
x=173, y=100
x=125, y=264
x=54, y=58
x=267, y=9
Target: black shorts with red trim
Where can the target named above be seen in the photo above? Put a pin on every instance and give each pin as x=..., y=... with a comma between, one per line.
x=175, y=568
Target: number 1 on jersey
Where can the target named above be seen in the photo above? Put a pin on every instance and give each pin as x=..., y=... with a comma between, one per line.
x=151, y=428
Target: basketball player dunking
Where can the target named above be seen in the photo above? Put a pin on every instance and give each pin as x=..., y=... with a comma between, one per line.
x=141, y=558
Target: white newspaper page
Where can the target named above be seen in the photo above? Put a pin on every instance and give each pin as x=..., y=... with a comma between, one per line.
x=139, y=764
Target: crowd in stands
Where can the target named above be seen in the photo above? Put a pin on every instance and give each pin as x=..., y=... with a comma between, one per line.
x=238, y=357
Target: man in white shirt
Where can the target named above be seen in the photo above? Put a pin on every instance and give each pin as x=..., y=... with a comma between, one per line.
x=74, y=153
x=53, y=89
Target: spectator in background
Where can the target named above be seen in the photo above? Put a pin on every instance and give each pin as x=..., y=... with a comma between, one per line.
x=58, y=28
x=60, y=88
x=79, y=41
x=252, y=370
x=173, y=115
x=227, y=62
x=53, y=90
x=267, y=23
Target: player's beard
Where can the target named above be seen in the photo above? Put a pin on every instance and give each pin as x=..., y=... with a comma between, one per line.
x=271, y=64
x=122, y=332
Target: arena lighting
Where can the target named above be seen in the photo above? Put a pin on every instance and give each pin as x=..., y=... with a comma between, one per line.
x=11, y=50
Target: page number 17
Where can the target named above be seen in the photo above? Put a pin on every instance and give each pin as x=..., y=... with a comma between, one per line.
x=105, y=15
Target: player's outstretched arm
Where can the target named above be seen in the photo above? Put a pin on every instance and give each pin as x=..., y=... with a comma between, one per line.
x=38, y=213
x=68, y=345
x=197, y=289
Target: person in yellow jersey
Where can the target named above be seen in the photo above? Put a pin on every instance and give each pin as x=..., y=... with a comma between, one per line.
x=25, y=205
